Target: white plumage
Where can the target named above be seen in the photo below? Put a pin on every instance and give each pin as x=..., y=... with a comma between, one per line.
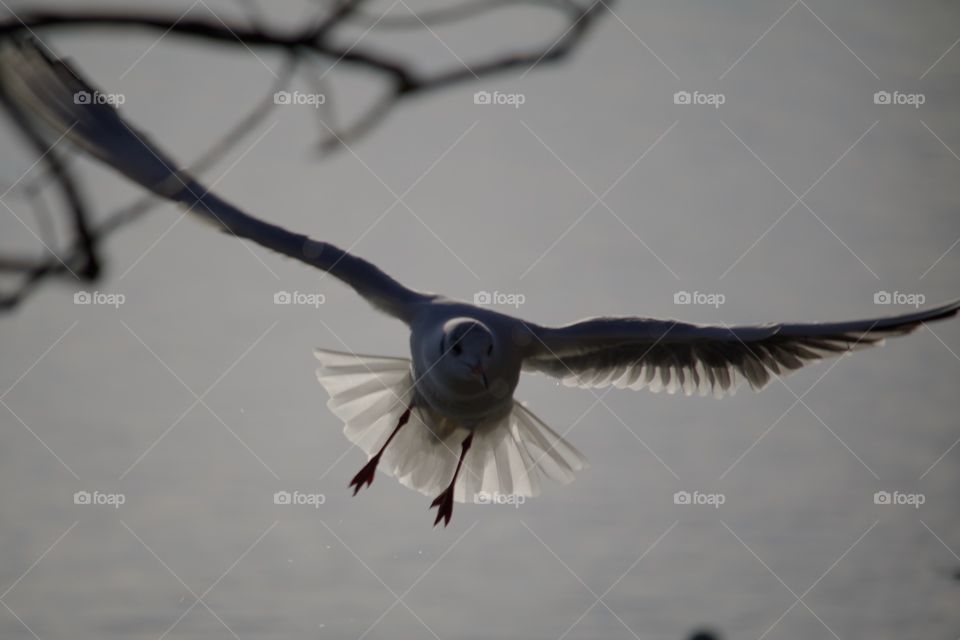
x=508, y=457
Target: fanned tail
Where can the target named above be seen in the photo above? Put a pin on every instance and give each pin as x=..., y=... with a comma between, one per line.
x=507, y=458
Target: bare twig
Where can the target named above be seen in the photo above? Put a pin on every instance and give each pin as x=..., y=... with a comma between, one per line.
x=317, y=39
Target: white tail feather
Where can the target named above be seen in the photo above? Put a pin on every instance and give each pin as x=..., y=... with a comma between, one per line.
x=507, y=458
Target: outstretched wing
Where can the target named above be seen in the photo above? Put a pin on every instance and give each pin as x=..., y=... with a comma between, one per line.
x=53, y=92
x=665, y=354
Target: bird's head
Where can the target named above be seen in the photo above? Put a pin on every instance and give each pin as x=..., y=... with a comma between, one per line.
x=467, y=352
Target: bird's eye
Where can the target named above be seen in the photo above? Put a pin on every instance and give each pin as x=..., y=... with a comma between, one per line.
x=457, y=349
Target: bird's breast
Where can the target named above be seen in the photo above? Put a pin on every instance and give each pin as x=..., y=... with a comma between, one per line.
x=470, y=409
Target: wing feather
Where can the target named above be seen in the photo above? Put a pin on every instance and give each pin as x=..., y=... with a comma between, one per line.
x=674, y=356
x=47, y=89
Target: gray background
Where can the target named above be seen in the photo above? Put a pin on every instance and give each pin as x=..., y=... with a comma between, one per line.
x=799, y=511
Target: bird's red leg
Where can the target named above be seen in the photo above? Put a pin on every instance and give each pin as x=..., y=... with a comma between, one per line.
x=444, y=501
x=365, y=475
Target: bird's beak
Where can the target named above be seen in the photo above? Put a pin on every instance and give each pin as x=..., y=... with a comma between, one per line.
x=478, y=371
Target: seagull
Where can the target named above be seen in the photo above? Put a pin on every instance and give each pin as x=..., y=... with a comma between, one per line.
x=444, y=421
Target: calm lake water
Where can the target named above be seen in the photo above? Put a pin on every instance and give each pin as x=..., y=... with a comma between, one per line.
x=195, y=400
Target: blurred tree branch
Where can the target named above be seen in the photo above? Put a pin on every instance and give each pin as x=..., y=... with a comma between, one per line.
x=81, y=259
